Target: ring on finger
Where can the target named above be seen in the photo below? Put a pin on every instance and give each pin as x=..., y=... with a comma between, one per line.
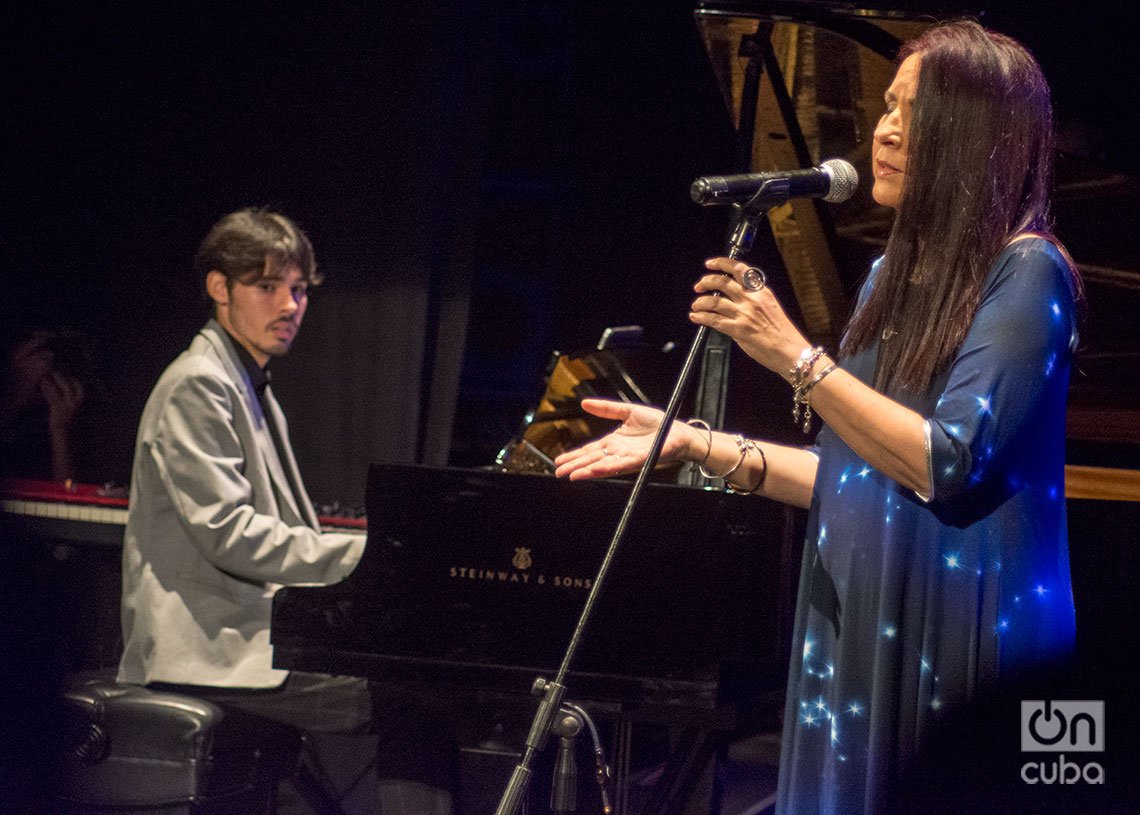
x=753, y=279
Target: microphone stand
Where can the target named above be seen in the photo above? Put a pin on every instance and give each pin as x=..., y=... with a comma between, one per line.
x=746, y=218
x=712, y=389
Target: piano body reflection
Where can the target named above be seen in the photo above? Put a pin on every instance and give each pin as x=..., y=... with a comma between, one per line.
x=476, y=578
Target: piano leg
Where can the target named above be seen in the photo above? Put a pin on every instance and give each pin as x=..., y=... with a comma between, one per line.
x=686, y=778
x=673, y=778
x=623, y=748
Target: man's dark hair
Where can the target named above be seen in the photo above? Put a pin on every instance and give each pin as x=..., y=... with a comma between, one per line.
x=239, y=244
x=979, y=172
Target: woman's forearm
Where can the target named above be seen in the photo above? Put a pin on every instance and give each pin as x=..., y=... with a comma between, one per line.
x=783, y=473
x=888, y=436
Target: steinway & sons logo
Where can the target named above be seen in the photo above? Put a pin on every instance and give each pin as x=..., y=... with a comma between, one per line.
x=520, y=572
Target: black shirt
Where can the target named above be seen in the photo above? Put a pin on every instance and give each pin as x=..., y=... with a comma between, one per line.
x=259, y=378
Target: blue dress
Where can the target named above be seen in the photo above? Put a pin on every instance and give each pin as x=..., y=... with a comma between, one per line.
x=908, y=608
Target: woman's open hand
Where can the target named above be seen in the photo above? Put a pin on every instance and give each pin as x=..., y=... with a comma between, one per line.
x=626, y=448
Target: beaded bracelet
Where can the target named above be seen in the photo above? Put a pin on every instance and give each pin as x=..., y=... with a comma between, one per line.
x=800, y=387
x=802, y=396
x=808, y=358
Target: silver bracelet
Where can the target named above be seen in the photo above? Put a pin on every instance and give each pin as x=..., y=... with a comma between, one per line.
x=751, y=445
x=743, y=445
x=802, y=395
x=703, y=425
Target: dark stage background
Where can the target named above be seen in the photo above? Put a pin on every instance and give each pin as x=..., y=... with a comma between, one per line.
x=485, y=182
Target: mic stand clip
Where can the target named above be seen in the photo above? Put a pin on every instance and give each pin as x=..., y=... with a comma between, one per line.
x=549, y=704
x=564, y=789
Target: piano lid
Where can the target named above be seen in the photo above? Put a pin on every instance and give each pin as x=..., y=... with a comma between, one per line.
x=831, y=62
x=820, y=96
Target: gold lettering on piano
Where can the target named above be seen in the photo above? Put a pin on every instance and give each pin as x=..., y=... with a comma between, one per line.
x=522, y=559
x=516, y=576
x=491, y=575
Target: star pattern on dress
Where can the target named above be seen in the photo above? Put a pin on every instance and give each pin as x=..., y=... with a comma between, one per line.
x=847, y=475
x=996, y=584
x=816, y=710
x=892, y=504
x=1005, y=622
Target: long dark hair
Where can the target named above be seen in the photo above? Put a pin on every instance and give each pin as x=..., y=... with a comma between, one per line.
x=979, y=172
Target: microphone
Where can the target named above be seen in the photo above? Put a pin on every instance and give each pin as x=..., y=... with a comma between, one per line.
x=835, y=180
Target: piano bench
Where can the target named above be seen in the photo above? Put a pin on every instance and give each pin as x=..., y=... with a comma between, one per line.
x=128, y=748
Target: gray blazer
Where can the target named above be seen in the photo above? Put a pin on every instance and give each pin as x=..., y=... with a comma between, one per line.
x=213, y=529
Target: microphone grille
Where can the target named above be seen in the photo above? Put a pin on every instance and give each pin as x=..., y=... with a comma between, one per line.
x=844, y=180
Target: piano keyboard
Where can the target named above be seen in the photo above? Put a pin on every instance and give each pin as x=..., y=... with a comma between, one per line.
x=77, y=523
x=66, y=512
x=87, y=514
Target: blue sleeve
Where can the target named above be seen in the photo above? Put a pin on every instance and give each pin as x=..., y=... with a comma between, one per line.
x=1019, y=344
